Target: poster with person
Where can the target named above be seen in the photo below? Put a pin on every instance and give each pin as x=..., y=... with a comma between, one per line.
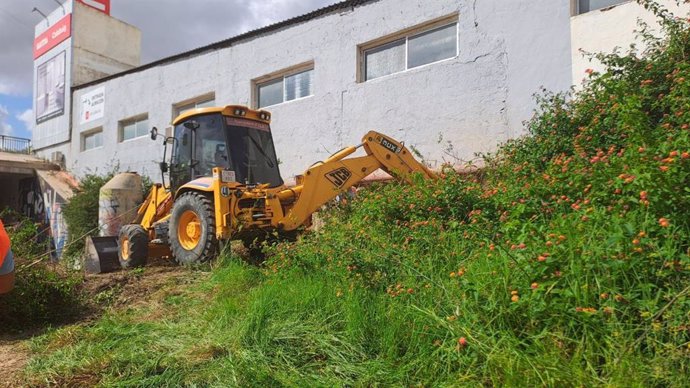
x=50, y=88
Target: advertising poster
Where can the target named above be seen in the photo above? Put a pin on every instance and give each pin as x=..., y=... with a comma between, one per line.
x=92, y=105
x=50, y=88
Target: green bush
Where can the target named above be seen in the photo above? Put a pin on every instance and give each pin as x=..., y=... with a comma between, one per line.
x=43, y=293
x=81, y=212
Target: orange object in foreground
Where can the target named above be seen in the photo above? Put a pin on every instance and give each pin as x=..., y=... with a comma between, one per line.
x=6, y=262
x=4, y=243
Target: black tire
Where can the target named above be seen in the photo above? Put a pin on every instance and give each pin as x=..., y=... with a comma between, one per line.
x=205, y=246
x=137, y=241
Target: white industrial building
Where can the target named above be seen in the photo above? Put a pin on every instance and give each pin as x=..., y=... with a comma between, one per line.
x=449, y=77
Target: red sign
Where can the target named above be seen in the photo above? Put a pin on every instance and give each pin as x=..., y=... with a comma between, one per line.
x=53, y=36
x=101, y=5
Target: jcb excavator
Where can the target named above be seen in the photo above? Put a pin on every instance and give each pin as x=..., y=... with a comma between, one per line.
x=225, y=185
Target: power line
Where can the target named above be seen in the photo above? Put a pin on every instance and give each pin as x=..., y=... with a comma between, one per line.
x=16, y=19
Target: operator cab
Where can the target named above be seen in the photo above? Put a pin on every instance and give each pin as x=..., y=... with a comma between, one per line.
x=234, y=138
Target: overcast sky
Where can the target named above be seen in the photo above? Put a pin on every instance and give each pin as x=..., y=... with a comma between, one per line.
x=168, y=27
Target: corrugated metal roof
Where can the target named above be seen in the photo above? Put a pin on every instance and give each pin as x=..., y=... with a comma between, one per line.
x=238, y=38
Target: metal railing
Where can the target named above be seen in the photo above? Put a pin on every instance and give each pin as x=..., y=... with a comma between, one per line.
x=18, y=145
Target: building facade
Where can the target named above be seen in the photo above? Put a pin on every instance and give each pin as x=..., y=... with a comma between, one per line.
x=451, y=78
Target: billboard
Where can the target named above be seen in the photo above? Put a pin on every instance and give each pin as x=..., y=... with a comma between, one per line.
x=50, y=88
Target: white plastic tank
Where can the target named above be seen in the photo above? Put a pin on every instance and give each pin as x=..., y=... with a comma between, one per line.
x=118, y=201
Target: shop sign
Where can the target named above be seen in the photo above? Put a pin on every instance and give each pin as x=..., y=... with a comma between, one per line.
x=101, y=5
x=53, y=36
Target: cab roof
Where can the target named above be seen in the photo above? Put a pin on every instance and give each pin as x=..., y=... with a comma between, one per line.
x=239, y=111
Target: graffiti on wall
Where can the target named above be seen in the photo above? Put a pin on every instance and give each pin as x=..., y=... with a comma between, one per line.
x=31, y=201
x=58, y=227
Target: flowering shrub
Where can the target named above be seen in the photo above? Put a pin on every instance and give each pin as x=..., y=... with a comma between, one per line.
x=568, y=258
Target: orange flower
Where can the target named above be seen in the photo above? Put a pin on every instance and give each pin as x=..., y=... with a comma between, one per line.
x=462, y=342
x=534, y=285
x=664, y=223
x=514, y=298
x=663, y=168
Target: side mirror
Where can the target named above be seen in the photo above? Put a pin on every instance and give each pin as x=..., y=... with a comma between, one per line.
x=154, y=133
x=164, y=167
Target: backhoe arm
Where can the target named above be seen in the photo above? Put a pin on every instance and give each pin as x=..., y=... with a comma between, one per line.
x=325, y=180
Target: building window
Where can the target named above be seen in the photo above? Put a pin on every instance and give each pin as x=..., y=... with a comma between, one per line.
x=416, y=47
x=204, y=101
x=592, y=5
x=134, y=127
x=286, y=86
x=92, y=139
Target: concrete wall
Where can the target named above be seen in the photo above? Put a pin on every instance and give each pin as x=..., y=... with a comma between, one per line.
x=602, y=31
x=507, y=50
x=102, y=45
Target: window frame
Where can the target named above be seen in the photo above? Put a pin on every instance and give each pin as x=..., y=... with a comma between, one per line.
x=406, y=35
x=128, y=121
x=201, y=99
x=89, y=133
x=575, y=7
x=282, y=74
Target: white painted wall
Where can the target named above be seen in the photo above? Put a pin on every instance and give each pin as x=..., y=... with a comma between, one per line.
x=605, y=30
x=472, y=101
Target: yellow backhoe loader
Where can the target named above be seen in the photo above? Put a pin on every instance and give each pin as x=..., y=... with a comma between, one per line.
x=224, y=184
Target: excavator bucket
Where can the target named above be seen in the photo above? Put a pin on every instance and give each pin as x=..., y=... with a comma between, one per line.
x=101, y=254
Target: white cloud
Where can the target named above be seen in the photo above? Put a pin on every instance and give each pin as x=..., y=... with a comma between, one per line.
x=5, y=127
x=27, y=117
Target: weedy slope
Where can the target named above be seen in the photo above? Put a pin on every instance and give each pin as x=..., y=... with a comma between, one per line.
x=565, y=263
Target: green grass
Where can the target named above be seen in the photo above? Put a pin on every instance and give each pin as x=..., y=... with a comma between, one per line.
x=565, y=263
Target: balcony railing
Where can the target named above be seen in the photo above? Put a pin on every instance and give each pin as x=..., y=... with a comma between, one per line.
x=18, y=145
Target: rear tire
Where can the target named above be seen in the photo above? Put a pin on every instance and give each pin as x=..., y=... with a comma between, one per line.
x=192, y=232
x=133, y=246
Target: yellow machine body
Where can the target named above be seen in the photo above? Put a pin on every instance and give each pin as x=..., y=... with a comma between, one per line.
x=216, y=208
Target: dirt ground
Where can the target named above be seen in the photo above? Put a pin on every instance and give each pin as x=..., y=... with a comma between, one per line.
x=102, y=291
x=13, y=357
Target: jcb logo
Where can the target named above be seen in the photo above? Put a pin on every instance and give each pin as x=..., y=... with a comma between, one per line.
x=389, y=145
x=339, y=176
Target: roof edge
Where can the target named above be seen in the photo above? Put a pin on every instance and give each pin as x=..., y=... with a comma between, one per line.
x=327, y=10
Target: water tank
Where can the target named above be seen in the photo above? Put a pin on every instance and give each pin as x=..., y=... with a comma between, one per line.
x=118, y=201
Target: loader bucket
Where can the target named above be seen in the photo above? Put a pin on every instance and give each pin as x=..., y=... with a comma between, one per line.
x=101, y=254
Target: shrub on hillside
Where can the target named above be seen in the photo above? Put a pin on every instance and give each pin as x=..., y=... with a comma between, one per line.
x=43, y=293
x=569, y=261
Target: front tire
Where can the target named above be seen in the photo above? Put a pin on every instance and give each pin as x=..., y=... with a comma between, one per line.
x=192, y=232
x=133, y=246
